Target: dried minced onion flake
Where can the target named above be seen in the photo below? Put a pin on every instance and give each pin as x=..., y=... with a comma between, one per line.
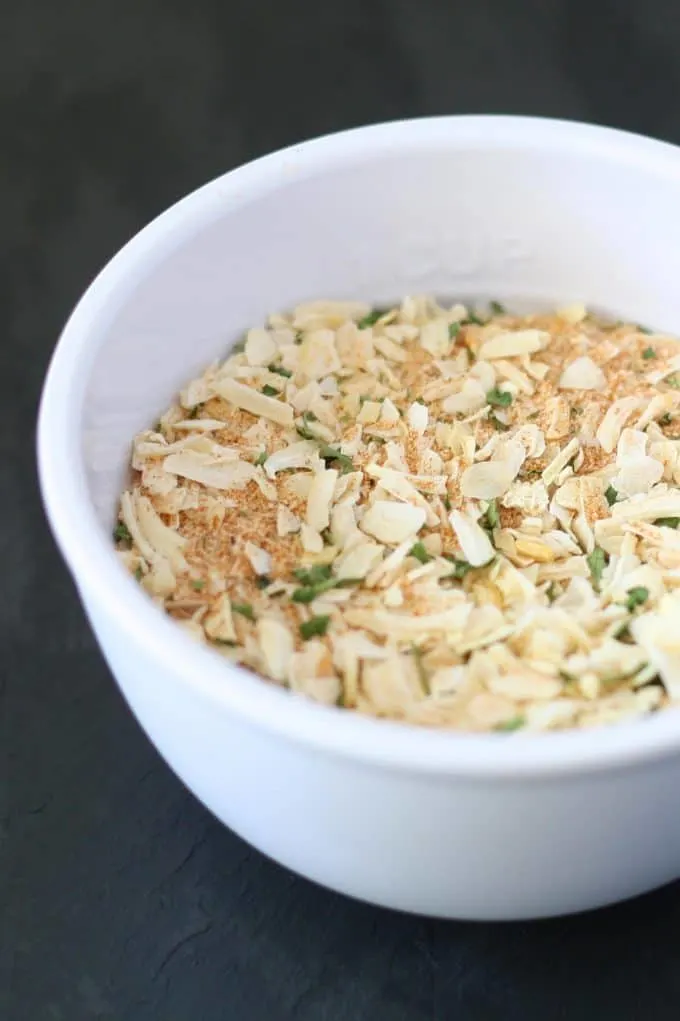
x=164, y=541
x=470, y=398
x=637, y=475
x=256, y=403
x=391, y=522
x=311, y=539
x=510, y=343
x=320, y=499
x=260, y=348
x=617, y=415
x=531, y=497
x=560, y=461
x=302, y=454
x=218, y=624
x=435, y=338
x=582, y=374
x=418, y=417
x=286, y=522
x=474, y=541
x=277, y=646
x=508, y=370
x=486, y=480
x=260, y=560
x=573, y=313
x=317, y=355
x=358, y=560
x=208, y=472
x=451, y=519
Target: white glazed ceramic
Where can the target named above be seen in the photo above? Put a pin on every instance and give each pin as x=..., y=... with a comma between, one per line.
x=486, y=827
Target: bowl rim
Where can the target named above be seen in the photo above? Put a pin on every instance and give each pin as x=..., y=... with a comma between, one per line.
x=89, y=553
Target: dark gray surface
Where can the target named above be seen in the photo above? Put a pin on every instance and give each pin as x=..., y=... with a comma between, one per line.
x=120, y=897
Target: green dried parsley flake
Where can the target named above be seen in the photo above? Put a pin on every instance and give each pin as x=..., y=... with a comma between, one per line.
x=516, y=723
x=674, y=381
x=610, y=495
x=666, y=419
x=139, y=574
x=261, y=458
x=303, y=430
x=637, y=596
x=316, y=580
x=371, y=319
x=315, y=627
x=667, y=522
x=121, y=533
x=497, y=309
x=499, y=398
x=492, y=515
x=648, y=353
x=244, y=609
x=329, y=453
x=270, y=391
x=474, y=320
x=460, y=567
x=454, y=330
x=597, y=561
x=263, y=581
x=312, y=592
x=198, y=584
x=280, y=371
x=419, y=551
x=239, y=347
x=312, y=575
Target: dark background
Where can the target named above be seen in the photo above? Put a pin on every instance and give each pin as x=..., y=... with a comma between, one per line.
x=120, y=897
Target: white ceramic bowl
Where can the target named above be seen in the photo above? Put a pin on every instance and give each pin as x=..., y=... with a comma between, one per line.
x=523, y=210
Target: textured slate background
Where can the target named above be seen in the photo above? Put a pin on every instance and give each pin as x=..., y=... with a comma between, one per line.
x=120, y=897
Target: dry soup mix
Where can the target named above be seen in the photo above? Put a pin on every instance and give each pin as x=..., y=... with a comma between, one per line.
x=453, y=519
